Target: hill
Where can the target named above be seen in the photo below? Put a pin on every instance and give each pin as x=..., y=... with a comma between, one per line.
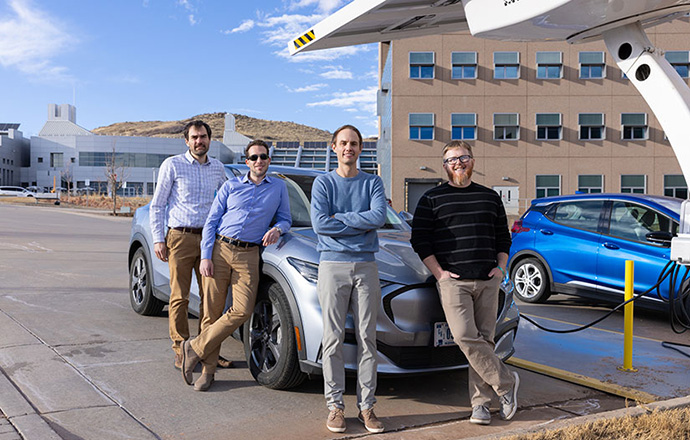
x=251, y=127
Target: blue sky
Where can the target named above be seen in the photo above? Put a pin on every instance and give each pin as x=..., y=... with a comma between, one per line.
x=141, y=60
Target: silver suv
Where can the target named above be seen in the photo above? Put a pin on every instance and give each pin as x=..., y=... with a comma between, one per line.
x=282, y=339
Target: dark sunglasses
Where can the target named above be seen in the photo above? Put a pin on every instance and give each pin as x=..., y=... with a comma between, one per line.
x=254, y=157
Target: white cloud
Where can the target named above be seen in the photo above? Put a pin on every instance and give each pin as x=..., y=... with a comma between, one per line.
x=364, y=100
x=336, y=72
x=125, y=78
x=30, y=39
x=245, y=26
x=192, y=20
x=323, y=6
x=191, y=9
x=309, y=88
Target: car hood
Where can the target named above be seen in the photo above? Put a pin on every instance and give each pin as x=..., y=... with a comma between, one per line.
x=396, y=260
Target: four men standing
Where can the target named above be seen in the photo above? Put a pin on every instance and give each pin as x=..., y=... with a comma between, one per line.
x=459, y=231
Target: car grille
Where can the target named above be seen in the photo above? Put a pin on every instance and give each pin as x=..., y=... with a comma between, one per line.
x=423, y=357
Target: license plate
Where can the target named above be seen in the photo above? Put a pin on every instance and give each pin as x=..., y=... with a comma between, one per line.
x=442, y=335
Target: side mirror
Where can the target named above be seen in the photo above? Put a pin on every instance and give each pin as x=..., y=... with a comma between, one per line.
x=660, y=237
x=406, y=216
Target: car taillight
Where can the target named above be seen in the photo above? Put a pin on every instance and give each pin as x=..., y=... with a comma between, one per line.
x=517, y=227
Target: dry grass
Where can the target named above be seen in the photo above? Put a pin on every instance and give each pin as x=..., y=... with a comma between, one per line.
x=251, y=127
x=656, y=425
x=96, y=201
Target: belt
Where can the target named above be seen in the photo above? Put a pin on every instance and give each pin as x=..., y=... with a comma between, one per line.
x=235, y=242
x=190, y=230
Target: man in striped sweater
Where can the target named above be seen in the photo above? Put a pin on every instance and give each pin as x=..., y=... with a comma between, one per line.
x=461, y=234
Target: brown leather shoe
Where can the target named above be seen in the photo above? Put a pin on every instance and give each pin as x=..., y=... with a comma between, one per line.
x=204, y=382
x=178, y=361
x=189, y=361
x=225, y=363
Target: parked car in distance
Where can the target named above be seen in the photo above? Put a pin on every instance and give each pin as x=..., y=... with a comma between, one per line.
x=35, y=189
x=85, y=190
x=15, y=191
x=578, y=245
x=282, y=338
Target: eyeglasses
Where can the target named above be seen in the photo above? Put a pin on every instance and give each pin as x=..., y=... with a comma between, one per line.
x=261, y=156
x=453, y=160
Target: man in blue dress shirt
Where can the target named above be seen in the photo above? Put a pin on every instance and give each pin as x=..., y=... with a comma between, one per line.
x=238, y=224
x=184, y=194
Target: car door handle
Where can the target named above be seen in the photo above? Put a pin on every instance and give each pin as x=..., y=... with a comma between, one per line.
x=546, y=232
x=608, y=245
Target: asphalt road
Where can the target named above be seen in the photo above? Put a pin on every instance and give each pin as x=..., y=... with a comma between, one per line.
x=71, y=345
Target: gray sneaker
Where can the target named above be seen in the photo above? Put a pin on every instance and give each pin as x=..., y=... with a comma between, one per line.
x=509, y=400
x=336, y=420
x=480, y=415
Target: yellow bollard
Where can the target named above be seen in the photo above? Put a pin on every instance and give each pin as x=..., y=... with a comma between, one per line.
x=628, y=318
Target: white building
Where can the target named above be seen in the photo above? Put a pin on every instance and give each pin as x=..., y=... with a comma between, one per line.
x=14, y=154
x=65, y=152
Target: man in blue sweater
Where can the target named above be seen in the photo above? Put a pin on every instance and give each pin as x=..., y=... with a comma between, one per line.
x=347, y=208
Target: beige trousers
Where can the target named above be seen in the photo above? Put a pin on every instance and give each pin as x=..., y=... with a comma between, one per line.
x=232, y=267
x=471, y=307
x=184, y=256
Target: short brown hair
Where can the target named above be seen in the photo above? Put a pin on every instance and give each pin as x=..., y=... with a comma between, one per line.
x=198, y=124
x=258, y=142
x=351, y=127
x=457, y=144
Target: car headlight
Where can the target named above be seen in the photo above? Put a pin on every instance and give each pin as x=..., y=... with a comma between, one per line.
x=310, y=271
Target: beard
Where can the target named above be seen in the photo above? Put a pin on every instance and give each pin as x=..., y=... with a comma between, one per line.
x=460, y=179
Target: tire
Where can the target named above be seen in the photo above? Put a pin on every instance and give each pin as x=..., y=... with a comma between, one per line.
x=531, y=281
x=269, y=341
x=140, y=288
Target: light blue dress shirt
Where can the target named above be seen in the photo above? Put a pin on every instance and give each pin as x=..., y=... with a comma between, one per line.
x=245, y=211
x=184, y=192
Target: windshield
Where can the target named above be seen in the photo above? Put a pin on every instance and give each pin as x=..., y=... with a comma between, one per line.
x=299, y=192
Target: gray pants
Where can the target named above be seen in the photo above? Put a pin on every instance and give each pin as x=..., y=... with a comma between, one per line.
x=344, y=286
x=470, y=307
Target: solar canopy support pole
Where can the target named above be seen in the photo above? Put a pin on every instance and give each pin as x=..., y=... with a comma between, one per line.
x=665, y=91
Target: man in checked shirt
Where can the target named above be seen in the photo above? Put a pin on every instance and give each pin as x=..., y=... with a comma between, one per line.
x=187, y=184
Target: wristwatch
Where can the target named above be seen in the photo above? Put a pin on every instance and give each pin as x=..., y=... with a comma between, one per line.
x=280, y=231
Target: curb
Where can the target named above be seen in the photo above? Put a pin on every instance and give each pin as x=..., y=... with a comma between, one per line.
x=679, y=402
x=21, y=414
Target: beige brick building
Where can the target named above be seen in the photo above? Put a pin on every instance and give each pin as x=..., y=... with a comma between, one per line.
x=543, y=118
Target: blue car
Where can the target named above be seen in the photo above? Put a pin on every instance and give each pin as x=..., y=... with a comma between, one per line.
x=578, y=245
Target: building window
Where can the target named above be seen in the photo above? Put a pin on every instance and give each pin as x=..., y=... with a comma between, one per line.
x=421, y=126
x=675, y=186
x=633, y=126
x=463, y=126
x=40, y=160
x=592, y=65
x=506, y=126
x=549, y=65
x=591, y=126
x=548, y=185
x=464, y=65
x=548, y=126
x=679, y=60
x=633, y=183
x=506, y=65
x=56, y=160
x=422, y=65
x=590, y=183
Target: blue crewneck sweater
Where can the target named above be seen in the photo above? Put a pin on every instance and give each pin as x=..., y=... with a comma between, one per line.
x=346, y=213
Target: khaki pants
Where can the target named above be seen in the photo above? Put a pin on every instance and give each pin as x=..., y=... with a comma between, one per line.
x=232, y=267
x=184, y=256
x=470, y=307
x=344, y=286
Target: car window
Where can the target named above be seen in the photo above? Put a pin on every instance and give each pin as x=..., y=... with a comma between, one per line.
x=581, y=214
x=633, y=222
x=299, y=193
